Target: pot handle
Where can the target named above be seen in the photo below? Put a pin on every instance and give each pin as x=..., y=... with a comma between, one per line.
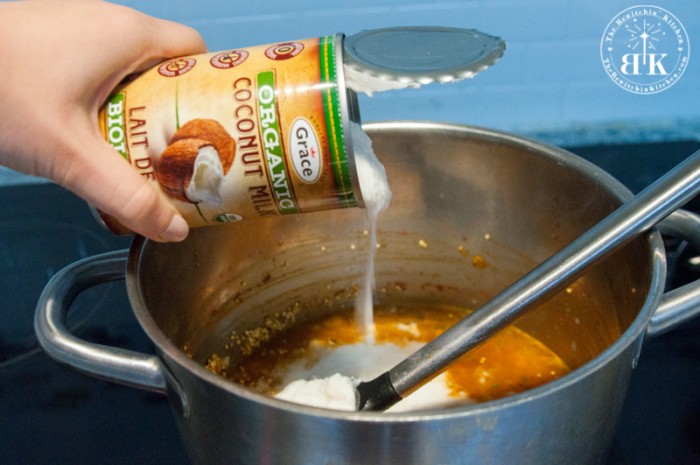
x=109, y=363
x=683, y=303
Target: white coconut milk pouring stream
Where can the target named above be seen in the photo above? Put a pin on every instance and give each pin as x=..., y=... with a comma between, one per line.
x=331, y=382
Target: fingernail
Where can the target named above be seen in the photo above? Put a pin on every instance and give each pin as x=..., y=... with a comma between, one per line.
x=177, y=230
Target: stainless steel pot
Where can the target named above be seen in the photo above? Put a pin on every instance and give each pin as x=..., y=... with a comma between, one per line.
x=463, y=198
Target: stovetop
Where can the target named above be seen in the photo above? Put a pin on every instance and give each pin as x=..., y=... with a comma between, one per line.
x=50, y=414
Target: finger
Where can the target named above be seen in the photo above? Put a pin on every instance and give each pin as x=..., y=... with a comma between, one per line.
x=110, y=184
x=167, y=39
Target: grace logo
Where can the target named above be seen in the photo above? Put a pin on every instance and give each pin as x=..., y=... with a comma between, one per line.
x=305, y=151
x=645, y=49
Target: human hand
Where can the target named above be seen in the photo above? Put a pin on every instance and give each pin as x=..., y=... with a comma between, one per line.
x=60, y=61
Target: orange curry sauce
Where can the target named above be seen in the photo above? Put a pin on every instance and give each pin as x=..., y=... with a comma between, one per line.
x=510, y=362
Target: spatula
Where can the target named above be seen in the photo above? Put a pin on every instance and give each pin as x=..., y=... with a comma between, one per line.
x=634, y=217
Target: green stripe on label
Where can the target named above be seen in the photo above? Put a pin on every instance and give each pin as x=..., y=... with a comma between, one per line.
x=334, y=123
x=114, y=124
x=268, y=121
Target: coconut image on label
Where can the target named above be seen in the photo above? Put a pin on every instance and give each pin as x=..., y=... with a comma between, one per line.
x=305, y=151
x=193, y=166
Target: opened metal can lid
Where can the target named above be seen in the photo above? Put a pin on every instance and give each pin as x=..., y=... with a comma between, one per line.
x=422, y=54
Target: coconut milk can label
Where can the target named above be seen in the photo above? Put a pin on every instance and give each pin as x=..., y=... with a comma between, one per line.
x=645, y=49
x=235, y=134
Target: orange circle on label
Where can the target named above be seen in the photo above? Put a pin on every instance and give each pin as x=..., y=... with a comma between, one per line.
x=176, y=67
x=284, y=51
x=230, y=59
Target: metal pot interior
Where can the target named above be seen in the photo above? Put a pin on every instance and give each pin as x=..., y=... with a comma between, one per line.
x=472, y=211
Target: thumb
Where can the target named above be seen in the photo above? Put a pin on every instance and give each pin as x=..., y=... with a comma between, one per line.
x=110, y=184
x=163, y=39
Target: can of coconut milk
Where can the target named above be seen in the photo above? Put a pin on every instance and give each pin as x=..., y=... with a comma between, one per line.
x=252, y=132
x=266, y=130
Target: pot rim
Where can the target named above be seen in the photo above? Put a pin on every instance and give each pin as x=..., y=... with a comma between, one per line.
x=170, y=353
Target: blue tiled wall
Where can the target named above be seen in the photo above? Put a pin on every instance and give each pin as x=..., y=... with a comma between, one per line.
x=550, y=82
x=550, y=78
